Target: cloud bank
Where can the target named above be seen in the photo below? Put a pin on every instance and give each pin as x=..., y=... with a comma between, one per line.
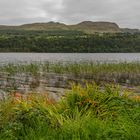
x=124, y=12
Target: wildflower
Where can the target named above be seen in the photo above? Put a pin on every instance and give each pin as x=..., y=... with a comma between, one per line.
x=137, y=98
x=18, y=95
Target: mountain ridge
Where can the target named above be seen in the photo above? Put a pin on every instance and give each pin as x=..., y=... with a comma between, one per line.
x=85, y=26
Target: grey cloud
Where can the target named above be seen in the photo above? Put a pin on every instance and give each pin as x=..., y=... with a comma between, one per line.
x=124, y=12
x=21, y=11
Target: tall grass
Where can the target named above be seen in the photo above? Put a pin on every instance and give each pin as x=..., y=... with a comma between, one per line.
x=127, y=73
x=84, y=113
x=73, y=68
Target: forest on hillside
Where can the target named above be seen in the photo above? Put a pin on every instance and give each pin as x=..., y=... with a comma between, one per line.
x=67, y=41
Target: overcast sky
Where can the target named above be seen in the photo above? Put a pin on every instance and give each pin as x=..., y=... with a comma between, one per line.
x=124, y=12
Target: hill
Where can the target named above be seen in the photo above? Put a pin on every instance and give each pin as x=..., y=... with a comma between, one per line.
x=127, y=30
x=92, y=27
x=44, y=26
x=85, y=26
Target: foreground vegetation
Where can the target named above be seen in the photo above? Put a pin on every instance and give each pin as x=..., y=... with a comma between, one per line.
x=67, y=41
x=85, y=113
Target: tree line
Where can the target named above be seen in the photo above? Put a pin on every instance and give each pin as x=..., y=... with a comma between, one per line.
x=68, y=41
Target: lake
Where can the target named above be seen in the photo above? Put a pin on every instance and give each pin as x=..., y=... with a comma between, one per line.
x=65, y=57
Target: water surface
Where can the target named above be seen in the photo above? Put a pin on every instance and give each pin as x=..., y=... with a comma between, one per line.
x=64, y=57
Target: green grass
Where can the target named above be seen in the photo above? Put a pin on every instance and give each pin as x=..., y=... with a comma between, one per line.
x=85, y=113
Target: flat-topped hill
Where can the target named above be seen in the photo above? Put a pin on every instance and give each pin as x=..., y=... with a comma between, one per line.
x=85, y=26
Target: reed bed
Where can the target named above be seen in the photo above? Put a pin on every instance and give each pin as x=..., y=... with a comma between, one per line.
x=123, y=73
x=73, y=68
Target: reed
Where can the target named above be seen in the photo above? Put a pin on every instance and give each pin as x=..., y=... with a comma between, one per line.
x=123, y=73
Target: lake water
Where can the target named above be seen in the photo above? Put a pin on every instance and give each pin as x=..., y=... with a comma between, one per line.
x=64, y=57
